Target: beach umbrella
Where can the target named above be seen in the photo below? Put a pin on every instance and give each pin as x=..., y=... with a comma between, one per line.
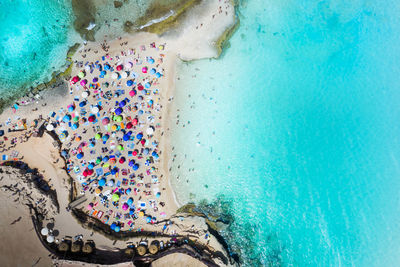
x=74, y=126
x=87, y=248
x=147, y=85
x=146, y=151
x=92, y=118
x=155, y=155
x=44, y=231
x=105, y=121
x=122, y=160
x=112, y=226
x=139, y=136
x=131, y=163
x=143, y=142
x=76, y=247
x=85, y=173
x=117, y=228
x=126, y=137
x=63, y=247
x=135, y=152
x=124, y=75
x=114, y=76
x=135, y=121
x=67, y=118
x=150, y=130
x=118, y=118
x=50, y=239
x=158, y=75
x=128, y=191
x=102, y=182
x=105, y=158
x=90, y=206
x=49, y=127
x=119, y=67
x=71, y=108
x=158, y=194
x=105, y=138
x=81, y=74
x=98, y=160
x=140, y=87
x=95, y=109
x=110, y=183
x=75, y=79
x=129, y=83
x=64, y=153
x=125, y=206
x=131, y=212
x=141, y=250
x=97, y=136
x=103, y=73
x=75, y=119
x=107, y=67
x=122, y=104
x=128, y=65
x=153, y=71
x=90, y=172
x=120, y=147
x=132, y=93
x=83, y=82
x=91, y=166
x=129, y=125
x=82, y=104
x=79, y=155
x=144, y=69
x=141, y=213
x=118, y=111
x=130, y=200
x=95, y=79
x=114, y=128
x=135, y=167
x=150, y=60
x=98, y=190
x=115, y=197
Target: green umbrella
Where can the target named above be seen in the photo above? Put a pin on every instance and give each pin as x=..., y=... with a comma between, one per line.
x=115, y=197
x=97, y=136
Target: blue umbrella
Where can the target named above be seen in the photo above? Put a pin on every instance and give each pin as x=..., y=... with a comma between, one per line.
x=147, y=85
x=113, y=171
x=131, y=212
x=90, y=166
x=118, y=111
x=80, y=155
x=117, y=229
x=139, y=136
x=105, y=138
x=64, y=153
x=102, y=182
x=122, y=104
x=82, y=104
x=131, y=163
x=135, y=167
x=107, y=67
x=153, y=71
x=130, y=200
x=154, y=154
x=67, y=118
x=158, y=75
x=112, y=226
x=129, y=83
x=71, y=108
x=148, y=219
x=106, y=158
x=146, y=151
x=126, y=137
x=151, y=60
x=103, y=72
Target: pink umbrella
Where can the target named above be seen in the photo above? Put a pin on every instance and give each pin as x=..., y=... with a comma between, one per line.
x=84, y=82
x=105, y=121
x=144, y=69
x=90, y=206
x=75, y=79
x=125, y=206
x=132, y=93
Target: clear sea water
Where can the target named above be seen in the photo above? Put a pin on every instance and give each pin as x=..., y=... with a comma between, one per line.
x=295, y=133
x=34, y=40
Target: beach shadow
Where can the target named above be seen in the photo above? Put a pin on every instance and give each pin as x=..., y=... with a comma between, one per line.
x=56, y=233
x=50, y=226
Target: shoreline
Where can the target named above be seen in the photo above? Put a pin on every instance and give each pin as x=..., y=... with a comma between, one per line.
x=176, y=39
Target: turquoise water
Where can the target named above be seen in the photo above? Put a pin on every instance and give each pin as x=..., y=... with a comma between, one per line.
x=296, y=129
x=34, y=40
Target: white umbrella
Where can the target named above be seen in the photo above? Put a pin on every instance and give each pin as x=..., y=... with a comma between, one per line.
x=115, y=76
x=49, y=128
x=128, y=65
x=150, y=130
x=44, y=231
x=50, y=239
x=124, y=75
x=95, y=109
x=87, y=68
x=85, y=94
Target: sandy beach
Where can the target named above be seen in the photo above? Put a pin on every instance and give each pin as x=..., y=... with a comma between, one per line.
x=106, y=128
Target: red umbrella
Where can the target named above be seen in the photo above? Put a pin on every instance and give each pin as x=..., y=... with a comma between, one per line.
x=85, y=173
x=129, y=125
x=119, y=67
x=140, y=87
x=135, y=121
x=90, y=172
x=143, y=141
x=75, y=79
x=135, y=152
x=132, y=93
x=122, y=160
x=92, y=118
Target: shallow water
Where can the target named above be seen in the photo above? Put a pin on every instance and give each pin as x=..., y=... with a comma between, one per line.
x=297, y=126
x=34, y=39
